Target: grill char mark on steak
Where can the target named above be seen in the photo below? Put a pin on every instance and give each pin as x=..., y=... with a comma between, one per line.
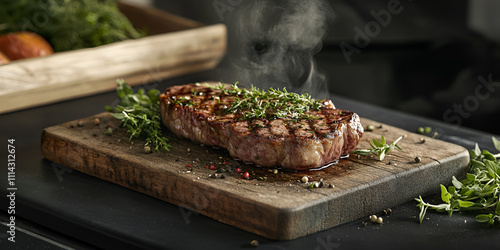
x=298, y=144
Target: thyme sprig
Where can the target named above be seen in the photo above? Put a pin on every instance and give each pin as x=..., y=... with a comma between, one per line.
x=380, y=148
x=139, y=114
x=480, y=190
x=254, y=103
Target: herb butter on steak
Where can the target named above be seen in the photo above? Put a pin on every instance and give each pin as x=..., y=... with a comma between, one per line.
x=269, y=128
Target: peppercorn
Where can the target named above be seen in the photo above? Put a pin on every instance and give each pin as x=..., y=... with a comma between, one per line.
x=254, y=243
x=108, y=131
x=427, y=130
x=212, y=167
x=380, y=220
x=420, y=130
x=238, y=170
x=417, y=159
x=246, y=175
x=305, y=179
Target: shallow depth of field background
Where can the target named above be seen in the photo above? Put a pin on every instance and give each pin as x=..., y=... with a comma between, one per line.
x=427, y=59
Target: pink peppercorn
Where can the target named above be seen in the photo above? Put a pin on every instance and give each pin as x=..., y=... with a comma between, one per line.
x=246, y=175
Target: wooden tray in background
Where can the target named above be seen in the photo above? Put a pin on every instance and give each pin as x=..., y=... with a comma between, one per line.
x=175, y=46
x=276, y=206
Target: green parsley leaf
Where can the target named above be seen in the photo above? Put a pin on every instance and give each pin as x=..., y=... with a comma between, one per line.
x=380, y=148
x=254, y=103
x=480, y=190
x=139, y=114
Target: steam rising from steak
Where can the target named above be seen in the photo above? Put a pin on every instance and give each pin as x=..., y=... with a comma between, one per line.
x=272, y=43
x=294, y=143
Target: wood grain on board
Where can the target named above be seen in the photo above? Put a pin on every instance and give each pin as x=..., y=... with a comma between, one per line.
x=272, y=204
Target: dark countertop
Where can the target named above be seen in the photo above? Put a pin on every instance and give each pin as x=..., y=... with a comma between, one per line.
x=58, y=208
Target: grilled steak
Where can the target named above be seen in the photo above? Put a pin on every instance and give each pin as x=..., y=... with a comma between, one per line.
x=207, y=113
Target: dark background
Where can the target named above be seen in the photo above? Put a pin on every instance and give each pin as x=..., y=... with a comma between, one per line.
x=424, y=61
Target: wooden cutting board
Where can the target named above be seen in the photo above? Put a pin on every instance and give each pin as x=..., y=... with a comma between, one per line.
x=272, y=204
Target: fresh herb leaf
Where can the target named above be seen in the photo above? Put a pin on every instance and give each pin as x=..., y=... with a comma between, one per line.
x=480, y=190
x=496, y=143
x=139, y=114
x=254, y=103
x=380, y=148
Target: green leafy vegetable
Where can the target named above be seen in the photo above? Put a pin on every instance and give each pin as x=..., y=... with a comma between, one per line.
x=380, y=148
x=480, y=190
x=68, y=25
x=139, y=114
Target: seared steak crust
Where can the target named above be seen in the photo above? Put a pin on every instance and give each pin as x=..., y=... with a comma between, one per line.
x=298, y=144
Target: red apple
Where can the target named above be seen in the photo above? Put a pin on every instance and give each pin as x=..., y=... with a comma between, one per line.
x=24, y=44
